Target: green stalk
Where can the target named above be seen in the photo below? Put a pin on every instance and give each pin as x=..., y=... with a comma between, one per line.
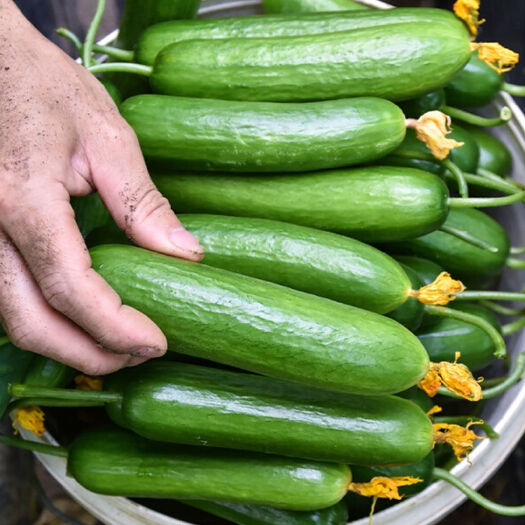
x=500, y=350
x=458, y=175
x=485, y=202
x=494, y=391
x=34, y=446
x=69, y=35
x=39, y=401
x=514, y=89
x=500, y=309
x=467, y=237
x=517, y=264
x=509, y=180
x=476, y=497
x=87, y=49
x=63, y=394
x=517, y=250
x=495, y=295
x=512, y=328
x=504, y=116
x=493, y=183
x=121, y=67
x=464, y=420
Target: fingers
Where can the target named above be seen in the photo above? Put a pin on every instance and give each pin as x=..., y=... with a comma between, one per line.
x=33, y=325
x=48, y=239
x=120, y=175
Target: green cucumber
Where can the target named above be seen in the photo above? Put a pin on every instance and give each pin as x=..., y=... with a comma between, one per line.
x=373, y=204
x=263, y=327
x=195, y=134
x=259, y=515
x=310, y=6
x=494, y=156
x=115, y=462
x=158, y=36
x=195, y=405
x=417, y=396
x=420, y=57
x=475, y=85
x=306, y=259
x=462, y=259
x=443, y=337
x=47, y=372
x=426, y=270
x=430, y=101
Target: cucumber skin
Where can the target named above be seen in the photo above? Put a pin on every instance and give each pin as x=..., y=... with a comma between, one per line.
x=158, y=36
x=443, y=337
x=306, y=259
x=259, y=515
x=263, y=327
x=308, y=6
x=14, y=364
x=463, y=260
x=193, y=134
x=372, y=204
x=195, y=405
x=426, y=270
x=431, y=101
x=420, y=57
x=105, y=461
x=475, y=85
x=493, y=154
x=47, y=372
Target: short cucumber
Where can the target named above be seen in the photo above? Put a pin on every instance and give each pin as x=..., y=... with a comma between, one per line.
x=196, y=134
x=430, y=101
x=426, y=269
x=259, y=515
x=373, y=204
x=475, y=85
x=116, y=462
x=314, y=261
x=420, y=56
x=417, y=396
x=443, y=337
x=158, y=36
x=462, y=259
x=195, y=405
x=263, y=327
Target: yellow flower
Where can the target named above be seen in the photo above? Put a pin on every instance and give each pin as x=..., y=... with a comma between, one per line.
x=496, y=56
x=88, y=383
x=30, y=418
x=468, y=11
x=461, y=439
x=440, y=292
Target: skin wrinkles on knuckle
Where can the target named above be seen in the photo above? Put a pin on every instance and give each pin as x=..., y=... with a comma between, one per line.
x=141, y=207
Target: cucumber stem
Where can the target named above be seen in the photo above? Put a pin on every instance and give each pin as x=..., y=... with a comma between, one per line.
x=467, y=237
x=504, y=116
x=493, y=183
x=509, y=180
x=476, y=497
x=500, y=350
x=517, y=264
x=34, y=446
x=464, y=420
x=517, y=250
x=69, y=35
x=125, y=55
x=500, y=309
x=87, y=49
x=458, y=175
x=512, y=328
x=485, y=202
x=39, y=401
x=494, y=391
x=495, y=295
x=121, y=67
x=62, y=394
x=514, y=89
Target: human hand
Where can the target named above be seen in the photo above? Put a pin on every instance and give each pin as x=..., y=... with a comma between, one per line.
x=61, y=136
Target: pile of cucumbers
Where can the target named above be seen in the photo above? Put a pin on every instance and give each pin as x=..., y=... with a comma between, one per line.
x=285, y=142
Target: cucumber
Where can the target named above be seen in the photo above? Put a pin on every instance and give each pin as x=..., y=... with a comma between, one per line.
x=193, y=134
x=47, y=372
x=475, y=85
x=158, y=36
x=14, y=364
x=310, y=6
x=306, y=259
x=494, y=156
x=115, y=462
x=417, y=396
x=443, y=337
x=420, y=57
x=195, y=405
x=462, y=259
x=431, y=101
x=263, y=327
x=426, y=270
x=372, y=204
x=260, y=515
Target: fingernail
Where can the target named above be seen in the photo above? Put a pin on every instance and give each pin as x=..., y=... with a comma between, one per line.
x=184, y=241
x=147, y=352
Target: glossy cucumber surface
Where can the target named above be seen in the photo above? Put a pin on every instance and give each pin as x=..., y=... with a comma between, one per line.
x=47, y=372
x=291, y=23
x=443, y=337
x=431, y=101
x=14, y=363
x=106, y=461
x=195, y=405
x=263, y=327
x=372, y=204
x=260, y=515
x=426, y=269
x=475, y=85
x=420, y=57
x=462, y=259
x=314, y=261
x=494, y=156
x=196, y=134
x=308, y=6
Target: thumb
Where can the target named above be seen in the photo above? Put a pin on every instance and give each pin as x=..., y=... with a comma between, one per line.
x=134, y=202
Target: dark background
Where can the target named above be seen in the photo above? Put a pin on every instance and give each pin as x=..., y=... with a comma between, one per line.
x=505, y=23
